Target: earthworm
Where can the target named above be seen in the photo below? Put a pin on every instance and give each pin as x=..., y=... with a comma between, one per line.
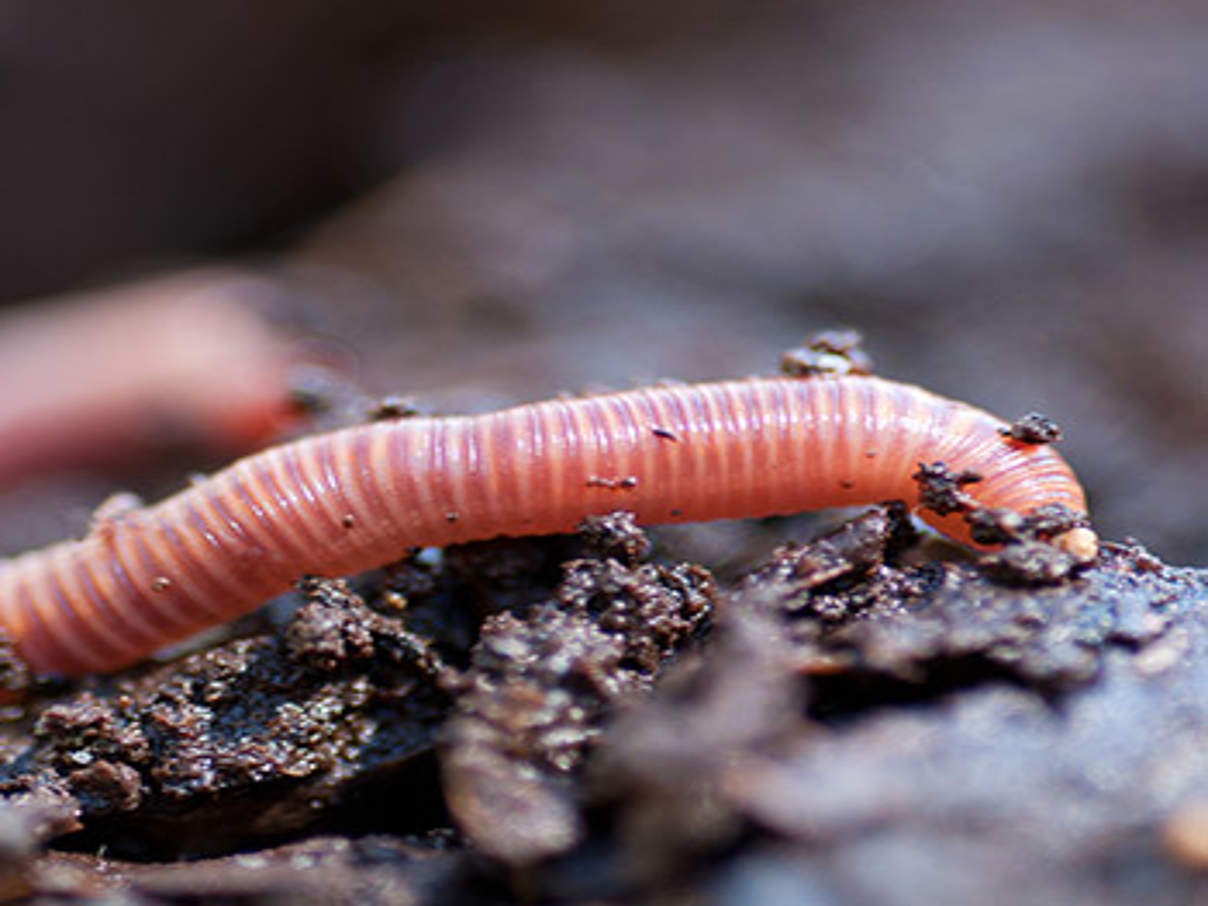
x=111, y=376
x=353, y=499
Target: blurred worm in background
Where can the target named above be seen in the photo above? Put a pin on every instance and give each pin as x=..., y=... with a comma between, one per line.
x=172, y=363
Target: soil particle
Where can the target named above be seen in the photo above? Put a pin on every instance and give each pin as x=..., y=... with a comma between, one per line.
x=106, y=787
x=331, y=627
x=993, y=525
x=622, y=483
x=1026, y=556
x=854, y=548
x=14, y=674
x=652, y=609
x=838, y=351
x=1029, y=562
x=1033, y=428
x=616, y=536
x=334, y=629
x=392, y=408
x=940, y=488
x=329, y=398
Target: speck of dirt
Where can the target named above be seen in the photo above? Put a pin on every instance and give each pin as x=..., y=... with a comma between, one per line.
x=1025, y=555
x=1029, y=562
x=623, y=483
x=14, y=673
x=940, y=488
x=391, y=408
x=616, y=536
x=838, y=351
x=1033, y=428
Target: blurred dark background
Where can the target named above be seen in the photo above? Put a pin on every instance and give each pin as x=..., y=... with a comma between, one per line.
x=483, y=204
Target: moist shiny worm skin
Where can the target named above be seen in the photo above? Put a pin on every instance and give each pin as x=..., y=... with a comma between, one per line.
x=357, y=498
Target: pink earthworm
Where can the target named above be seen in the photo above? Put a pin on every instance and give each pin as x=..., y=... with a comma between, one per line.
x=111, y=376
x=357, y=498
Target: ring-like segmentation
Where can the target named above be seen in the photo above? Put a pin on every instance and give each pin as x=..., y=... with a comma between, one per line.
x=350, y=500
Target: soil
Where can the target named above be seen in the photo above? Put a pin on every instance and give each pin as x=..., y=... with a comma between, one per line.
x=582, y=719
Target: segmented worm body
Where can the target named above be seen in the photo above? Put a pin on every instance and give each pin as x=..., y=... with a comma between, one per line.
x=113, y=375
x=357, y=498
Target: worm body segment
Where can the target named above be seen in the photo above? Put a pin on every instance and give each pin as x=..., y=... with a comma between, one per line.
x=357, y=498
x=137, y=370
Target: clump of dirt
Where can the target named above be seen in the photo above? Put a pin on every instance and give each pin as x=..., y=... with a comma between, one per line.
x=1024, y=553
x=839, y=351
x=14, y=673
x=1033, y=428
x=541, y=684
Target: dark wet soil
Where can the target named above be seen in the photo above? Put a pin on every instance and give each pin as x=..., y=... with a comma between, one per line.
x=624, y=729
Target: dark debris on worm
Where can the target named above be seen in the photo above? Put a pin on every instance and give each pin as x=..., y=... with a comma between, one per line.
x=1033, y=428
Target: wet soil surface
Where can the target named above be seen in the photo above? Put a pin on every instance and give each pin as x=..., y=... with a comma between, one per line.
x=866, y=716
